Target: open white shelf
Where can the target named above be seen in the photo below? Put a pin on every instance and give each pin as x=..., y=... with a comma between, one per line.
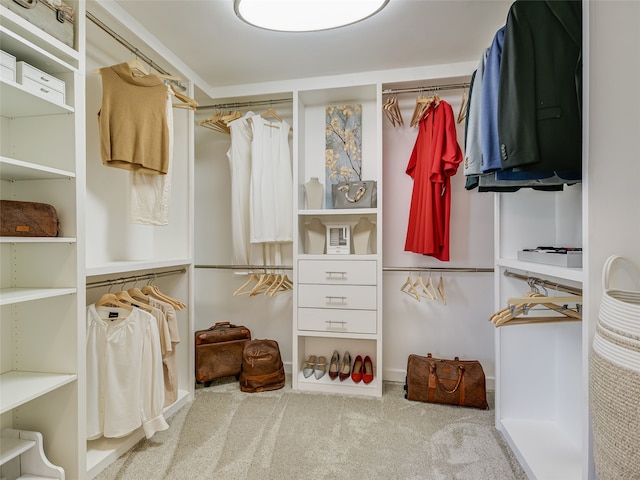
x=10, y=448
x=12, y=169
x=18, y=295
x=543, y=449
x=19, y=387
x=18, y=101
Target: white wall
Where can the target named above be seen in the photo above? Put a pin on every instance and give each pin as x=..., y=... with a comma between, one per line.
x=461, y=328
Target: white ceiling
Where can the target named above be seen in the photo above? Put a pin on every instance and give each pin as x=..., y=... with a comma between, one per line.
x=223, y=51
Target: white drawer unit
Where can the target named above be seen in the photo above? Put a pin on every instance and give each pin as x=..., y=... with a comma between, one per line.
x=345, y=272
x=41, y=83
x=341, y=321
x=353, y=297
x=7, y=66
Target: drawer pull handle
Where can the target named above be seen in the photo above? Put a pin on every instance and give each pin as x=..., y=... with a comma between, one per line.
x=335, y=321
x=44, y=90
x=331, y=274
x=44, y=79
x=329, y=298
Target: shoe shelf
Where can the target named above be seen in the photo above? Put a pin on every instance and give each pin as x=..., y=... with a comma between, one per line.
x=25, y=449
x=338, y=291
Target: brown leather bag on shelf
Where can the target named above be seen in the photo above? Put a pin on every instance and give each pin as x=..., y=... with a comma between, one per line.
x=27, y=219
x=451, y=382
x=219, y=351
x=262, y=367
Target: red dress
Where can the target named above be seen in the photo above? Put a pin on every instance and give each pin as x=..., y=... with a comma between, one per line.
x=434, y=160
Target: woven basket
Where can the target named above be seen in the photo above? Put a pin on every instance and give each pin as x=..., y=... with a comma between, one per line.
x=615, y=382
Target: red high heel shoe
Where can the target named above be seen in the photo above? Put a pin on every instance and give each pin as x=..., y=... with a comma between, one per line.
x=367, y=374
x=345, y=367
x=356, y=374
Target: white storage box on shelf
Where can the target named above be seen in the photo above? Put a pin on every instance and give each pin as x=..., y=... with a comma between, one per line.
x=569, y=259
x=41, y=83
x=7, y=66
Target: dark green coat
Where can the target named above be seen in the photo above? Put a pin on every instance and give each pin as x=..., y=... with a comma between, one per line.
x=540, y=98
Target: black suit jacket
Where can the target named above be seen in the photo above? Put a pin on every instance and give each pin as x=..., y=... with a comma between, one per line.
x=540, y=98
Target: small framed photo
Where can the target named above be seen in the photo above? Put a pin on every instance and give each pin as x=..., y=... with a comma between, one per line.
x=338, y=239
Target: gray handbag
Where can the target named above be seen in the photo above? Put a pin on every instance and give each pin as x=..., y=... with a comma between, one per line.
x=362, y=194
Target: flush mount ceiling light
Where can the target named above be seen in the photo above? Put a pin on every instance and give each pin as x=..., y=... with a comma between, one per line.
x=305, y=15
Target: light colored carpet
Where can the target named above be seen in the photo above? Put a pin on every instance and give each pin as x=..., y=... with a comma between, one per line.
x=280, y=435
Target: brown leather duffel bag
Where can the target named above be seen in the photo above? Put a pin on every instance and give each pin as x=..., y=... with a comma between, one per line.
x=219, y=351
x=452, y=382
x=262, y=367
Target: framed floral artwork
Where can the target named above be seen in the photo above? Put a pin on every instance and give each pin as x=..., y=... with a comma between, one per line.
x=343, y=152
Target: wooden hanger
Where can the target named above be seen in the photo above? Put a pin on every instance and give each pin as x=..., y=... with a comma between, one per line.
x=464, y=107
x=422, y=106
x=391, y=110
x=410, y=288
x=137, y=67
x=428, y=289
x=110, y=300
x=281, y=285
x=215, y=122
x=518, y=308
x=137, y=295
x=124, y=297
x=443, y=296
x=253, y=278
x=271, y=113
x=185, y=101
x=155, y=292
x=265, y=281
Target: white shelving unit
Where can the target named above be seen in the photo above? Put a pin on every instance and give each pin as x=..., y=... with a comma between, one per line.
x=355, y=324
x=42, y=281
x=539, y=367
x=118, y=249
x=22, y=453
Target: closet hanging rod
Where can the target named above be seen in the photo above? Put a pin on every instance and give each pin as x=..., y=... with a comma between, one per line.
x=247, y=267
x=544, y=283
x=132, y=48
x=438, y=269
x=249, y=103
x=134, y=278
x=431, y=88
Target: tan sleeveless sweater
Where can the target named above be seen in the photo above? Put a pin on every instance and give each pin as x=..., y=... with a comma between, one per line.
x=132, y=121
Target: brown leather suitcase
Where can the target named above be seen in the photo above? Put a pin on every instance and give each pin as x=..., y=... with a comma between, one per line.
x=27, y=219
x=262, y=367
x=451, y=382
x=219, y=351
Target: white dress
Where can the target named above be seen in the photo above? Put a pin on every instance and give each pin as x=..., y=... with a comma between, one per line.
x=149, y=194
x=125, y=385
x=239, y=155
x=271, y=183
